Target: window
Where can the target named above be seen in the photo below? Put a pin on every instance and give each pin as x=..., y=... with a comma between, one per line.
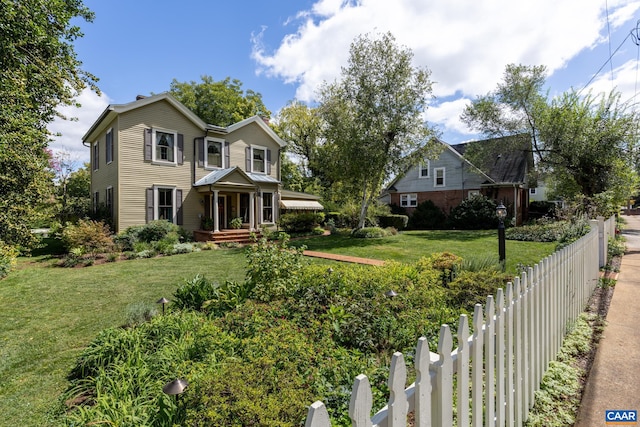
x=423, y=171
x=109, y=144
x=109, y=201
x=409, y=200
x=215, y=156
x=96, y=159
x=439, y=177
x=267, y=207
x=258, y=159
x=95, y=202
x=532, y=191
x=164, y=209
x=164, y=146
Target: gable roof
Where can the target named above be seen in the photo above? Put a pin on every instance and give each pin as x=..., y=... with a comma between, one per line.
x=115, y=109
x=505, y=160
x=454, y=152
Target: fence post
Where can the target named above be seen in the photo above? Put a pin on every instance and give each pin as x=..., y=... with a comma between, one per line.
x=361, y=402
x=397, y=400
x=444, y=379
x=462, y=365
x=317, y=416
x=422, y=396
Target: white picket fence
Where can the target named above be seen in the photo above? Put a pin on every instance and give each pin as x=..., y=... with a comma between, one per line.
x=496, y=369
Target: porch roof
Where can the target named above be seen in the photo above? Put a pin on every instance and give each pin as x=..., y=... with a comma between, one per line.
x=215, y=176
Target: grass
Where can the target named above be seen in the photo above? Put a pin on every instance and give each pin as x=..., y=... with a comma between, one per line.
x=409, y=246
x=49, y=314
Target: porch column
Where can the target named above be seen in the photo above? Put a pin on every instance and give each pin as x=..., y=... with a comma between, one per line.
x=216, y=220
x=252, y=210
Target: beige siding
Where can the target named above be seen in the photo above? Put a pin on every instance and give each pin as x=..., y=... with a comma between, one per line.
x=249, y=135
x=136, y=175
x=107, y=174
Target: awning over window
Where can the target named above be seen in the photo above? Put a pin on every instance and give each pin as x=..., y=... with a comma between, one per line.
x=309, y=205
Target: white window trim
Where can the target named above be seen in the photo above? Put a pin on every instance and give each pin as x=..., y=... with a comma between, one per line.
x=533, y=191
x=435, y=177
x=106, y=151
x=425, y=164
x=154, y=159
x=156, y=200
x=262, y=220
x=206, y=153
x=409, y=197
x=259, y=147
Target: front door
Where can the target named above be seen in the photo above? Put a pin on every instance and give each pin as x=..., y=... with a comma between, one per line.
x=222, y=212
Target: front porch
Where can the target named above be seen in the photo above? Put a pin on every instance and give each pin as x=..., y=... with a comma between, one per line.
x=242, y=236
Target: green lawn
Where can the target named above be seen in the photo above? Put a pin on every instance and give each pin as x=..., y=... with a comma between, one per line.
x=409, y=246
x=49, y=313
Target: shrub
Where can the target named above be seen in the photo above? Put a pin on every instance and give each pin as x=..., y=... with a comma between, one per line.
x=469, y=288
x=273, y=268
x=427, y=216
x=140, y=312
x=300, y=222
x=476, y=213
x=539, y=209
x=399, y=222
x=155, y=230
x=373, y=232
x=193, y=293
x=542, y=230
x=91, y=236
x=574, y=229
x=8, y=255
x=615, y=248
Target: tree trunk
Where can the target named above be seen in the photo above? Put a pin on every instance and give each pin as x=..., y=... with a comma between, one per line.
x=364, y=206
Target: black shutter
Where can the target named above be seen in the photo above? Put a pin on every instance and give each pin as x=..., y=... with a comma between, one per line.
x=227, y=156
x=179, y=207
x=149, y=217
x=268, y=168
x=180, y=149
x=200, y=151
x=247, y=156
x=147, y=145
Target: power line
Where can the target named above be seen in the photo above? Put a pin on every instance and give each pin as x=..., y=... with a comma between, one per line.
x=611, y=56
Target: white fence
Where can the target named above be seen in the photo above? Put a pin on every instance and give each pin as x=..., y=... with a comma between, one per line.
x=498, y=367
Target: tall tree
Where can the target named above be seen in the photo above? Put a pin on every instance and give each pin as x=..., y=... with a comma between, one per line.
x=219, y=103
x=585, y=145
x=373, y=117
x=39, y=73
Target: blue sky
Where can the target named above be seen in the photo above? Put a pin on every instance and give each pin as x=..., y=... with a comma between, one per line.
x=285, y=49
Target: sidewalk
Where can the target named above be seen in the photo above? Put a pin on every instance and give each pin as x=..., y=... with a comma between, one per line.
x=614, y=380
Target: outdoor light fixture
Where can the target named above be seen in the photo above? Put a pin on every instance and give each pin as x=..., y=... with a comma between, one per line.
x=162, y=301
x=390, y=294
x=501, y=213
x=175, y=387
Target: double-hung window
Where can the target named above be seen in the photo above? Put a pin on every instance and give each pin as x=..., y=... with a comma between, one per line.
x=267, y=207
x=96, y=156
x=258, y=159
x=109, y=201
x=409, y=200
x=215, y=153
x=165, y=203
x=439, y=180
x=423, y=171
x=164, y=146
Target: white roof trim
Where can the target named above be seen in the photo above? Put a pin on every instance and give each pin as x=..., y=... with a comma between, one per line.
x=262, y=124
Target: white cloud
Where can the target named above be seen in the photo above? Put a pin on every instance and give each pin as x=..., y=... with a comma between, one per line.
x=465, y=44
x=71, y=131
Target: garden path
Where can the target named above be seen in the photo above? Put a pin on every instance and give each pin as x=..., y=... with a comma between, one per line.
x=343, y=258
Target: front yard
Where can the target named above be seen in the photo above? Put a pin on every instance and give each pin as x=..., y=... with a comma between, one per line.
x=50, y=313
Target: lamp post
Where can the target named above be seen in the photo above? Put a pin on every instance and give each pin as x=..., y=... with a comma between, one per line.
x=175, y=388
x=501, y=213
x=162, y=301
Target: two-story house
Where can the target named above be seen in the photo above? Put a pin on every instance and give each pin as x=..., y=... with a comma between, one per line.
x=155, y=159
x=499, y=173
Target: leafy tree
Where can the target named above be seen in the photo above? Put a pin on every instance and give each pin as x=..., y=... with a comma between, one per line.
x=220, y=103
x=301, y=127
x=373, y=125
x=584, y=145
x=76, y=195
x=40, y=72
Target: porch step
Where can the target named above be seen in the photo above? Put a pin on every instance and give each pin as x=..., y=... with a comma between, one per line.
x=242, y=236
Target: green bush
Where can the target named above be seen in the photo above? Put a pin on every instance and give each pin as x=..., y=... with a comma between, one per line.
x=615, y=248
x=476, y=213
x=539, y=209
x=399, y=222
x=373, y=232
x=92, y=236
x=542, y=230
x=300, y=222
x=469, y=288
x=575, y=228
x=155, y=231
x=8, y=257
x=193, y=293
x=427, y=216
x=273, y=268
